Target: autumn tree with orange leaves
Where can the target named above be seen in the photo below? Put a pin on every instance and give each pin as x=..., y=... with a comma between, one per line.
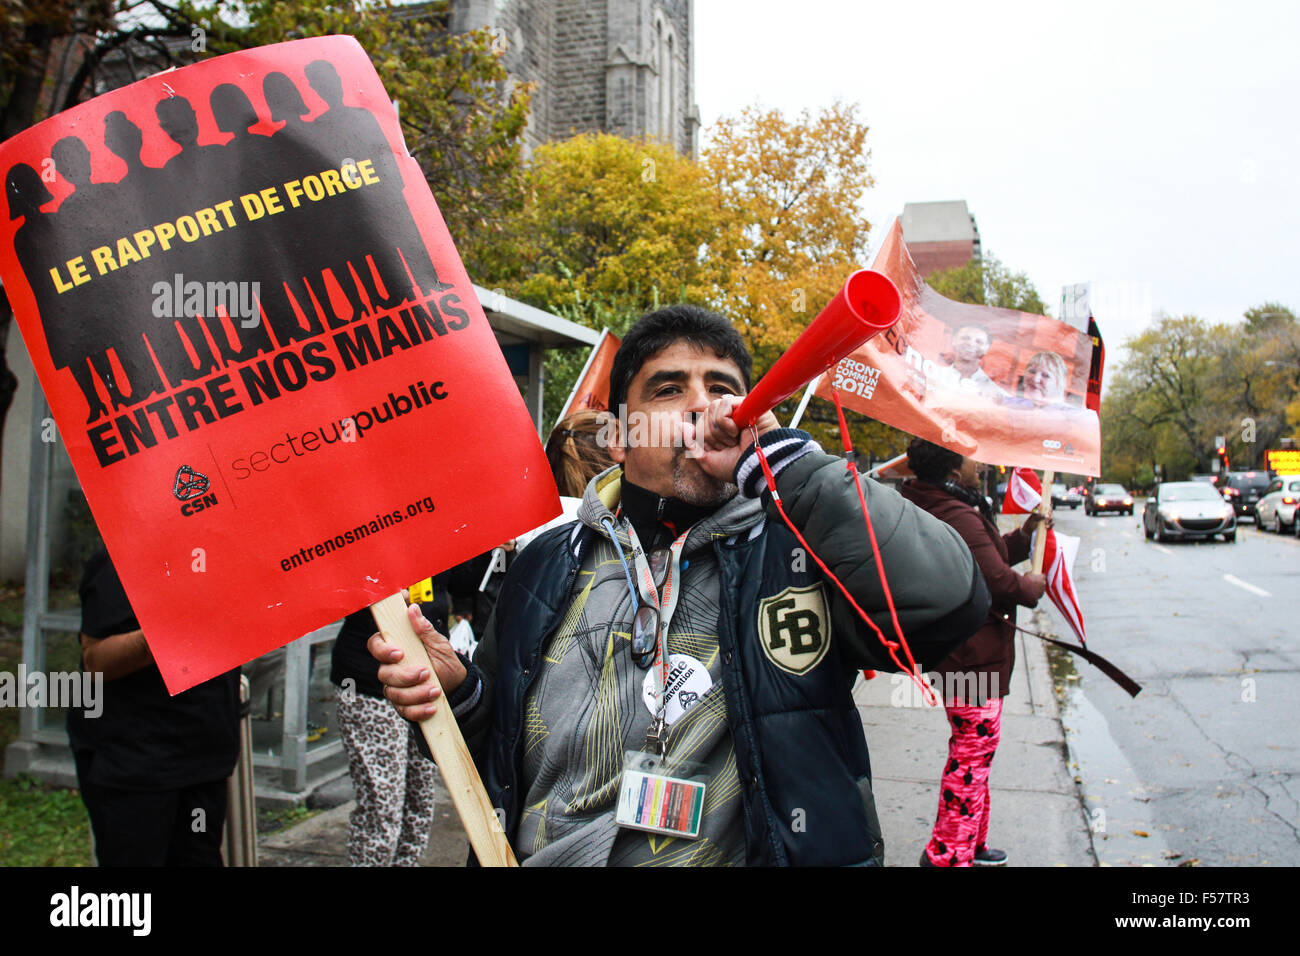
x=796, y=188
x=765, y=228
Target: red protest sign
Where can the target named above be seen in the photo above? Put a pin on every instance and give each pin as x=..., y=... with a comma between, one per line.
x=274, y=379
x=998, y=385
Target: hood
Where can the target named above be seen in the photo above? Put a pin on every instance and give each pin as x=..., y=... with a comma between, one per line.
x=925, y=495
x=601, y=499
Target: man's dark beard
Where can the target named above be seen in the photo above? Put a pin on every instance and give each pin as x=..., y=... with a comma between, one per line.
x=693, y=486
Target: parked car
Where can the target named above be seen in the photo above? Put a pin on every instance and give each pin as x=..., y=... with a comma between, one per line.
x=1061, y=496
x=1276, y=510
x=1108, y=498
x=1243, y=489
x=1188, y=509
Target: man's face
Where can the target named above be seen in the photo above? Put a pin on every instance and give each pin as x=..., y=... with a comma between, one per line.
x=970, y=344
x=676, y=382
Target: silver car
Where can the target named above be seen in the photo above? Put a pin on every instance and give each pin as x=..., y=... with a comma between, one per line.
x=1276, y=511
x=1188, y=509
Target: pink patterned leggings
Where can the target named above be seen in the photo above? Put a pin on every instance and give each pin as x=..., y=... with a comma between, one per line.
x=962, y=824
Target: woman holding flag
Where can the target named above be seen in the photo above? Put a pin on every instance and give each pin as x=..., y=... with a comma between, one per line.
x=977, y=673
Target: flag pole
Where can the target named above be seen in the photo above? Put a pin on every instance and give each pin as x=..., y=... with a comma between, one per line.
x=1044, y=509
x=443, y=735
x=803, y=402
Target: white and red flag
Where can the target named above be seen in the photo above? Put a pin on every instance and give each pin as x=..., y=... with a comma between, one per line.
x=1024, y=492
x=1058, y=565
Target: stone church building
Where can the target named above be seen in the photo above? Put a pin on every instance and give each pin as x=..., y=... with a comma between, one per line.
x=617, y=66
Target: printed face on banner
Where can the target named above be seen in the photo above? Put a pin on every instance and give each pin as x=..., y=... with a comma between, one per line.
x=277, y=386
x=997, y=385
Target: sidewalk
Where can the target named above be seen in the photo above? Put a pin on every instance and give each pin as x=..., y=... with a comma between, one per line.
x=1036, y=814
x=323, y=840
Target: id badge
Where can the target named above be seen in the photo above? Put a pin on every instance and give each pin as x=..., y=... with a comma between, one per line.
x=660, y=795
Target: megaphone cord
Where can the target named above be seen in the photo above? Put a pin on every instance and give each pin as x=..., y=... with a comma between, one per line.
x=890, y=646
x=871, y=534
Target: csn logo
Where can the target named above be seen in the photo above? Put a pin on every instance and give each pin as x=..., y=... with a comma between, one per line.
x=191, y=488
x=1051, y=443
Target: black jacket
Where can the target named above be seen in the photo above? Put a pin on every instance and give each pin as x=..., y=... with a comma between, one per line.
x=798, y=737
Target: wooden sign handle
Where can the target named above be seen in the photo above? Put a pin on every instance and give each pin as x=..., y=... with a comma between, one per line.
x=442, y=733
x=1044, y=509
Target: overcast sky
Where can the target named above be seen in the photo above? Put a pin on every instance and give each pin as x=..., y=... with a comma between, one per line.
x=1151, y=148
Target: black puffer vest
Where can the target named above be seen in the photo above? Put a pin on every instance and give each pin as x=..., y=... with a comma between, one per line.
x=800, y=752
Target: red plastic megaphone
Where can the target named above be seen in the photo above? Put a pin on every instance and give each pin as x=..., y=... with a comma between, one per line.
x=868, y=304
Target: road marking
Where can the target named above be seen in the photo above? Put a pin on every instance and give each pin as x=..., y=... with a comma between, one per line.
x=1231, y=579
x=1162, y=549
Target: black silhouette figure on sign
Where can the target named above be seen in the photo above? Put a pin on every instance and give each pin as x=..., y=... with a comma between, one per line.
x=34, y=247
x=81, y=344
x=123, y=215
x=350, y=132
x=239, y=338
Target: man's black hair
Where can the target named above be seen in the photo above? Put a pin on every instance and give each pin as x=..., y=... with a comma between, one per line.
x=930, y=462
x=657, y=330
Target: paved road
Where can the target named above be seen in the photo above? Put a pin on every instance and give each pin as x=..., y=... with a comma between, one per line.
x=1203, y=765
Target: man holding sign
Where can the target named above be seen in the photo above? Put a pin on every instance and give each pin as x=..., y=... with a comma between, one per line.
x=667, y=680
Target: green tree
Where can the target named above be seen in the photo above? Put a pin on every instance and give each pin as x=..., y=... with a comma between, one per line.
x=1257, y=377
x=609, y=228
x=988, y=282
x=1185, y=382
x=613, y=223
x=1165, y=388
x=1268, y=317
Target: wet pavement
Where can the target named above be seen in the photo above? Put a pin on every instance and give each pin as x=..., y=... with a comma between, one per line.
x=1035, y=814
x=1201, y=768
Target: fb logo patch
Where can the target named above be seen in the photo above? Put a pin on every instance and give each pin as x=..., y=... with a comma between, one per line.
x=795, y=628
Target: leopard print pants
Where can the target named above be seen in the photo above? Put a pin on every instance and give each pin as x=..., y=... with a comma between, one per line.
x=962, y=824
x=392, y=780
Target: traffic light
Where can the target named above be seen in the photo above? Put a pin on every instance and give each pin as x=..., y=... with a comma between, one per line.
x=1221, y=452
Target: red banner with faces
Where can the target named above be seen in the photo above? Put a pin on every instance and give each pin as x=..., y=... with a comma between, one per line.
x=997, y=385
